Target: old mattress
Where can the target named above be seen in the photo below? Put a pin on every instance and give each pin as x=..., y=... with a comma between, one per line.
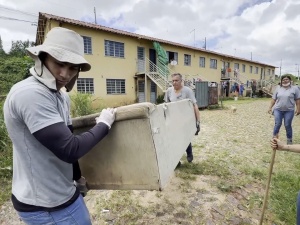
x=142, y=148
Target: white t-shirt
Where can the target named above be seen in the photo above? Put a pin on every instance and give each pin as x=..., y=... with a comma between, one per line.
x=185, y=93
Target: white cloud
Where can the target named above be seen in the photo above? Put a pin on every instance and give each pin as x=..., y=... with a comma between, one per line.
x=267, y=30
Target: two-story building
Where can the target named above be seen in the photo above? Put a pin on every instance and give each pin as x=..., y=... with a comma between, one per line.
x=129, y=67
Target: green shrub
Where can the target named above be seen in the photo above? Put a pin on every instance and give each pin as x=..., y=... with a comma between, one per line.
x=81, y=104
x=12, y=70
x=160, y=99
x=5, y=160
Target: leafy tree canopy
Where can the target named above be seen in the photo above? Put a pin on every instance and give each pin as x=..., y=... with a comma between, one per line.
x=18, y=48
x=2, y=52
x=12, y=70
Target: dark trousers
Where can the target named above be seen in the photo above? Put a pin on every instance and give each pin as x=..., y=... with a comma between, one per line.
x=189, y=150
x=76, y=171
x=298, y=209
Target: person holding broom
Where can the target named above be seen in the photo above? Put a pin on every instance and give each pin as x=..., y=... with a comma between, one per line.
x=276, y=144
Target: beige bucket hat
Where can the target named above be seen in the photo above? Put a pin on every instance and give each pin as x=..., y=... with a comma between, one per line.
x=64, y=45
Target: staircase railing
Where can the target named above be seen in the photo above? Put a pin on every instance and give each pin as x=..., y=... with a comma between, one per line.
x=237, y=77
x=159, y=74
x=267, y=86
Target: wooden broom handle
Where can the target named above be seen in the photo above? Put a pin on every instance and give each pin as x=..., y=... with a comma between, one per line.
x=268, y=186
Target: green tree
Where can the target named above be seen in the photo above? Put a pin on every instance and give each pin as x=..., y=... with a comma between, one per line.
x=2, y=52
x=12, y=70
x=18, y=48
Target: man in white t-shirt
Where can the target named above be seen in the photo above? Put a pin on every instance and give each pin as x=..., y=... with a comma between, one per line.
x=180, y=92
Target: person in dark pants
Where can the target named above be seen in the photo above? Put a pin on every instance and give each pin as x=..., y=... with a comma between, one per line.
x=179, y=92
x=253, y=87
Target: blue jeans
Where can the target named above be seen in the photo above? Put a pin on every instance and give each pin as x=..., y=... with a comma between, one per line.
x=298, y=209
x=77, y=213
x=288, y=118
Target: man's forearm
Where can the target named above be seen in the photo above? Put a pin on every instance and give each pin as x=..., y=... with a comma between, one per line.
x=290, y=148
x=197, y=113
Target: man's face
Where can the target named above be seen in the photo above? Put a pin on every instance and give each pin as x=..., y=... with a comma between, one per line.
x=177, y=82
x=62, y=71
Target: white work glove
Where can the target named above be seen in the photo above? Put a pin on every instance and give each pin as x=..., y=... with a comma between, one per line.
x=107, y=116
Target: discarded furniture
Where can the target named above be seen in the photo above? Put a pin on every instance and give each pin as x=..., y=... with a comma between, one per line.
x=143, y=146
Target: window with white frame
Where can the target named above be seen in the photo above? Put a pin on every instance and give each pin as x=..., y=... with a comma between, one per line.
x=243, y=68
x=213, y=64
x=269, y=71
x=187, y=60
x=236, y=66
x=85, y=85
x=256, y=70
x=114, y=49
x=250, y=69
x=202, y=61
x=87, y=42
x=115, y=86
x=273, y=72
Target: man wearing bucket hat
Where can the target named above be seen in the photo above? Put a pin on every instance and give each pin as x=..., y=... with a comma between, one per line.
x=44, y=148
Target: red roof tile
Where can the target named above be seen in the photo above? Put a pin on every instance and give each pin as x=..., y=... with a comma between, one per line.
x=121, y=32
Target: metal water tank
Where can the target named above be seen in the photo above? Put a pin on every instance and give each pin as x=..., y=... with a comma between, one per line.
x=201, y=93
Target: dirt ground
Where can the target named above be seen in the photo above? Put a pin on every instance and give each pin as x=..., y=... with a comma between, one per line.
x=236, y=140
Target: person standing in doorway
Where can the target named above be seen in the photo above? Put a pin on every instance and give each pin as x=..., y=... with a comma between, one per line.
x=179, y=92
x=227, y=88
x=284, y=100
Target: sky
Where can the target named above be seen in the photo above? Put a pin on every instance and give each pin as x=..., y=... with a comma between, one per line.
x=267, y=31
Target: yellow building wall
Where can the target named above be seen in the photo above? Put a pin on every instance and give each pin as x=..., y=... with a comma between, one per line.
x=106, y=67
x=211, y=74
